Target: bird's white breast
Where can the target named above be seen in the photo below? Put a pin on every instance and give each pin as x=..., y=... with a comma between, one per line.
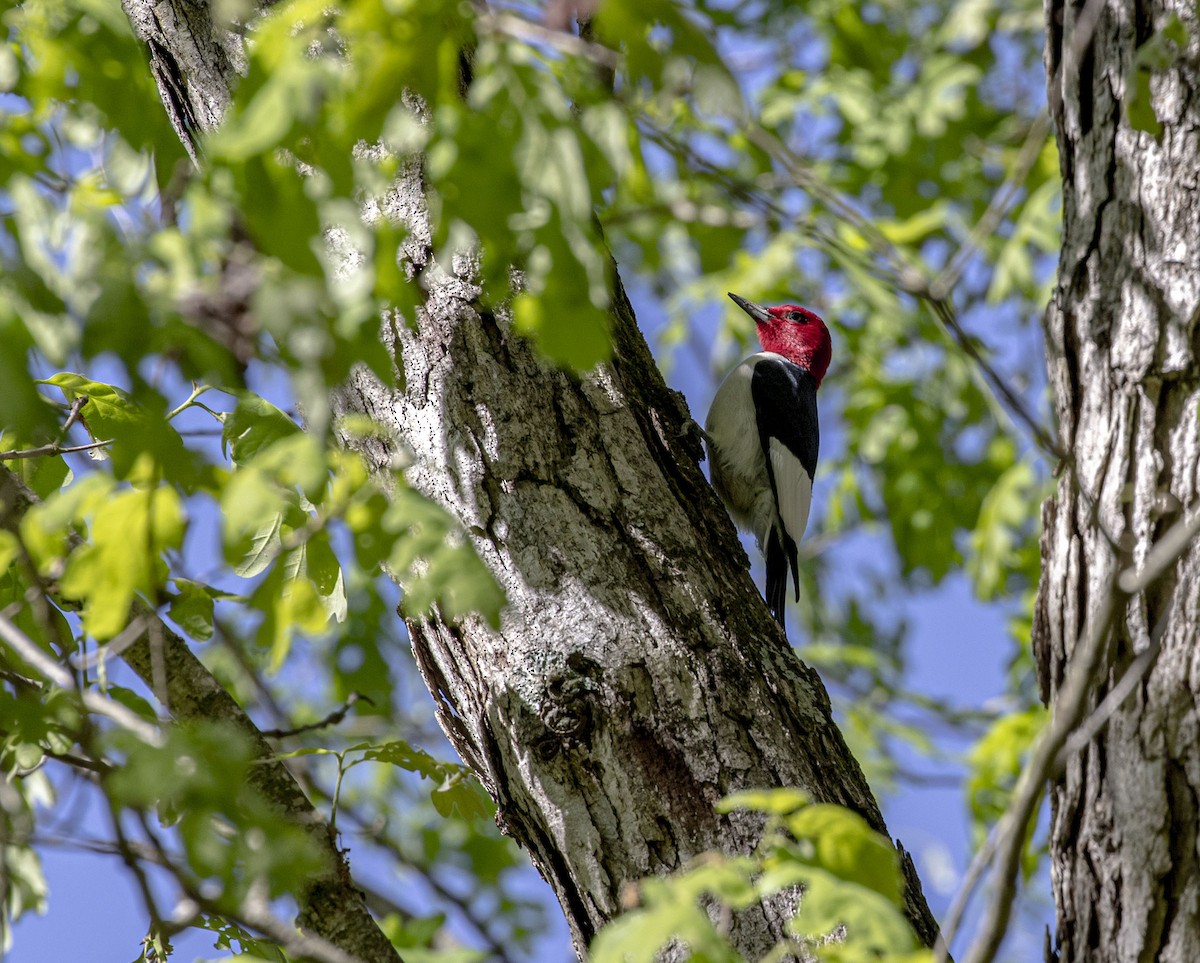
x=738, y=466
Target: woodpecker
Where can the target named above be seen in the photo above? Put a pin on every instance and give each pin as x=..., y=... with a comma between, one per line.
x=763, y=437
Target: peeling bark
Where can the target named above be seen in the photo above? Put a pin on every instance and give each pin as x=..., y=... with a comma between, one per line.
x=1122, y=358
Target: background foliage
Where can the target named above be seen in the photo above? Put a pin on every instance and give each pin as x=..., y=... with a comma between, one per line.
x=877, y=161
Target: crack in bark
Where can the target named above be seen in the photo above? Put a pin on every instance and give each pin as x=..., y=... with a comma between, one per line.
x=1122, y=359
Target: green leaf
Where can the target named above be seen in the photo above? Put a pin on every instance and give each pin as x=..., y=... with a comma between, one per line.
x=53, y=632
x=400, y=753
x=24, y=413
x=131, y=700
x=192, y=608
x=201, y=779
x=779, y=802
x=1003, y=527
x=1159, y=53
x=263, y=543
x=261, y=504
x=322, y=568
x=25, y=888
x=253, y=425
x=434, y=563
x=123, y=557
x=89, y=48
x=845, y=846
x=1140, y=108
x=253, y=947
x=283, y=220
x=917, y=227
x=996, y=760
x=44, y=475
x=457, y=792
x=109, y=413
x=562, y=320
x=460, y=795
x=289, y=605
x=875, y=927
x=10, y=549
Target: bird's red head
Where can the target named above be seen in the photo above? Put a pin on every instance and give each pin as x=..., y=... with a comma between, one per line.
x=794, y=332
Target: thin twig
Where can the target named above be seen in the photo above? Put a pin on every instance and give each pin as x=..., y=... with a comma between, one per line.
x=53, y=449
x=28, y=650
x=517, y=28
x=997, y=208
x=114, y=647
x=945, y=313
x=197, y=391
x=335, y=717
x=1098, y=718
x=251, y=913
x=130, y=858
x=370, y=830
x=76, y=761
x=1013, y=825
x=93, y=844
x=962, y=899
x=1164, y=553
x=73, y=415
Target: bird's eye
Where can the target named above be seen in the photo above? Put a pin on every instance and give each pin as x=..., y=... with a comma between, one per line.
x=797, y=317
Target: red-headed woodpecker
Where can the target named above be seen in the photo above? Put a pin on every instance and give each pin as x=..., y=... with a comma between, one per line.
x=763, y=438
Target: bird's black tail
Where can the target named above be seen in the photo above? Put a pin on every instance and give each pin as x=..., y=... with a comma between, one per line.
x=781, y=555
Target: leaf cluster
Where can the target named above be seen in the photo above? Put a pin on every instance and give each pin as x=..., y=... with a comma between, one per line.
x=846, y=878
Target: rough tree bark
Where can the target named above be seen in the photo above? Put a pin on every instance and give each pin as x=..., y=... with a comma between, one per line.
x=1122, y=356
x=637, y=676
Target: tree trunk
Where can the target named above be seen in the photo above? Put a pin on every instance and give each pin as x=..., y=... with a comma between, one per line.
x=1121, y=353
x=637, y=676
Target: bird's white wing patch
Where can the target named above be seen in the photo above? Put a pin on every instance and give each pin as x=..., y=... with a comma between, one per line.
x=793, y=487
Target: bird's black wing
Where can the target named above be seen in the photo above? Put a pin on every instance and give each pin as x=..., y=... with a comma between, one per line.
x=785, y=400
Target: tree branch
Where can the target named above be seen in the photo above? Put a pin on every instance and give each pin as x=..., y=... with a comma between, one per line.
x=331, y=907
x=1069, y=732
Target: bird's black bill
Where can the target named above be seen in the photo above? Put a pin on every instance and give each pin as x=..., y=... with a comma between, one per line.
x=756, y=311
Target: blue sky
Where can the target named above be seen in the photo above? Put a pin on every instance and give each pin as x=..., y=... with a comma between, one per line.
x=958, y=651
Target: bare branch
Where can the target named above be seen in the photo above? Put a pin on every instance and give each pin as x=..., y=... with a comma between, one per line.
x=131, y=860
x=1163, y=554
x=336, y=716
x=253, y=912
x=28, y=650
x=506, y=24
x=997, y=208
x=73, y=415
x=55, y=449
x=1068, y=732
x=1014, y=824
x=1098, y=719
